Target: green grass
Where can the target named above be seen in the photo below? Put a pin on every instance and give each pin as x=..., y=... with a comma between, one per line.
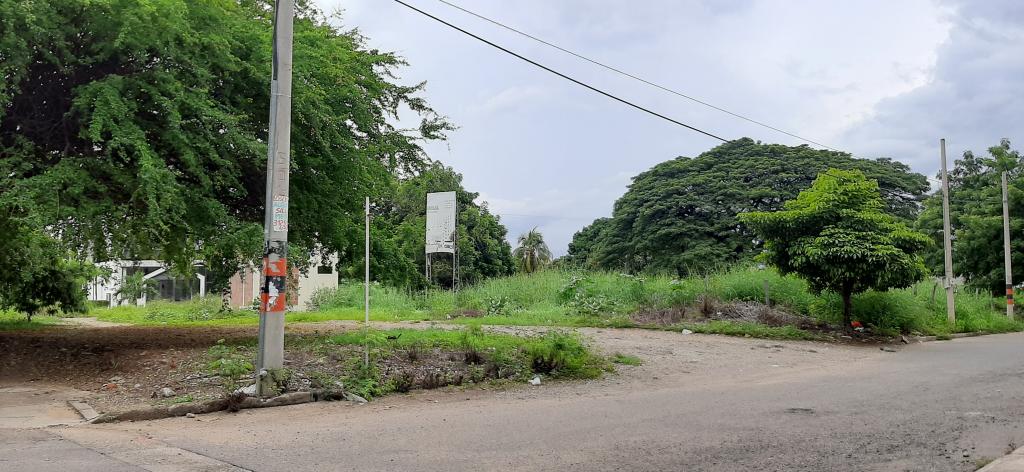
x=14, y=321
x=557, y=354
x=626, y=359
x=197, y=312
x=606, y=299
x=746, y=329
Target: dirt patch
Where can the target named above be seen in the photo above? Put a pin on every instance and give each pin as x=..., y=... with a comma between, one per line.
x=121, y=368
x=753, y=312
x=659, y=317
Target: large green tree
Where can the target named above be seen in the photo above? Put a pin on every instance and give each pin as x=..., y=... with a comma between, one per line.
x=138, y=129
x=976, y=217
x=399, y=227
x=838, y=236
x=681, y=214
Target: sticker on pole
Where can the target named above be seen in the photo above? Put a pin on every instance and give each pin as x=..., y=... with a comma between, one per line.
x=279, y=220
x=272, y=296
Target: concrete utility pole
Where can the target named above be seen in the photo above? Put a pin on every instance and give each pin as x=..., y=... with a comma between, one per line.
x=1006, y=249
x=270, y=355
x=946, y=239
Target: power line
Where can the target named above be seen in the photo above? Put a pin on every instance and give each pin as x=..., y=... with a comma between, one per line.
x=632, y=76
x=566, y=77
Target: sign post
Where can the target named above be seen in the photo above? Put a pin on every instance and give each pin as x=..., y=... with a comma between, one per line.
x=442, y=222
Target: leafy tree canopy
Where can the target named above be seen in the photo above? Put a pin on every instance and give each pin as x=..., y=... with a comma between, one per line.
x=39, y=274
x=680, y=215
x=976, y=216
x=838, y=237
x=138, y=129
x=398, y=235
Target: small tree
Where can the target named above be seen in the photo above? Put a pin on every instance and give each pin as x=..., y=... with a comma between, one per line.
x=837, y=236
x=532, y=252
x=135, y=286
x=40, y=274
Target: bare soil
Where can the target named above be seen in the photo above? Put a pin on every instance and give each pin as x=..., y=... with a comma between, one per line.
x=124, y=367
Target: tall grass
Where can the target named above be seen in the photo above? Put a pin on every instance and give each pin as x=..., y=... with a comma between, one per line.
x=568, y=298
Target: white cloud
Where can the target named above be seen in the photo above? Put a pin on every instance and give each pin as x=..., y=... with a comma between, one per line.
x=874, y=76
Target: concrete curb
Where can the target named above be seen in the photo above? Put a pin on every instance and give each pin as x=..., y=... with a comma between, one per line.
x=233, y=404
x=83, y=408
x=1012, y=462
x=924, y=339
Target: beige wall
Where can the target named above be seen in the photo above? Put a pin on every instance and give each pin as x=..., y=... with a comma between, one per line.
x=245, y=285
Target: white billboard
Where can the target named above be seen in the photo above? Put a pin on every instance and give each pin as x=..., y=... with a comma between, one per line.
x=441, y=222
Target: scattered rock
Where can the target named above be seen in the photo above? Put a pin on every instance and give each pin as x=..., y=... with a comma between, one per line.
x=190, y=415
x=904, y=340
x=888, y=349
x=535, y=380
x=110, y=387
x=686, y=331
x=354, y=398
x=249, y=391
x=116, y=379
x=167, y=392
x=138, y=386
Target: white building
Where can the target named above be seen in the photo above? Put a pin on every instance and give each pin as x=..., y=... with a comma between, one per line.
x=168, y=285
x=244, y=289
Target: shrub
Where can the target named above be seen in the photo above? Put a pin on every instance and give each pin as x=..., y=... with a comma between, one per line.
x=562, y=354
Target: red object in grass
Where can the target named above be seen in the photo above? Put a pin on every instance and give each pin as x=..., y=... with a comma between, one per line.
x=856, y=324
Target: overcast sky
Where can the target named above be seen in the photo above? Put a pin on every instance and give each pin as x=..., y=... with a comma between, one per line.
x=875, y=78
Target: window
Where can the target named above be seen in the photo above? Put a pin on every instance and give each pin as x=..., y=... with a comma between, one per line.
x=325, y=269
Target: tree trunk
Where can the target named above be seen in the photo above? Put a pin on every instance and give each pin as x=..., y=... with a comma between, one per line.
x=847, y=306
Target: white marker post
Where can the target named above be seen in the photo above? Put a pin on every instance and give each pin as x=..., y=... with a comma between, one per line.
x=366, y=285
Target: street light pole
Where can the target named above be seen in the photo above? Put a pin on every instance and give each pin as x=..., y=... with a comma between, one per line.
x=270, y=355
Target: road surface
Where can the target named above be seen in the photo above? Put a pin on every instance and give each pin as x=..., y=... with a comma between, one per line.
x=698, y=403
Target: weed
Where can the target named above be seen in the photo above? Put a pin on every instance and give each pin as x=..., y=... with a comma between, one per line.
x=625, y=359
x=227, y=362
x=404, y=382
x=562, y=354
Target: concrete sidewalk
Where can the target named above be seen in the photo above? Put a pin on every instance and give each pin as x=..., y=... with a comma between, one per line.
x=1012, y=462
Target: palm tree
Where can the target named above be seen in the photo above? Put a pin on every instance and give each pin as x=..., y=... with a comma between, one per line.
x=532, y=252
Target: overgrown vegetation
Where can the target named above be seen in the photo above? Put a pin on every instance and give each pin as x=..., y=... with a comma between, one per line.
x=604, y=299
x=196, y=312
x=406, y=359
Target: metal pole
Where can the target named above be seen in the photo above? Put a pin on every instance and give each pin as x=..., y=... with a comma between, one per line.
x=273, y=292
x=1006, y=249
x=366, y=285
x=947, y=242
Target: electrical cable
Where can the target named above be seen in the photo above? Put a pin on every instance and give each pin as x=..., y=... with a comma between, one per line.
x=635, y=77
x=564, y=76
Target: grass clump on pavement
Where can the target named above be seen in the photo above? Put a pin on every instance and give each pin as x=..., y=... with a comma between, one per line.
x=626, y=359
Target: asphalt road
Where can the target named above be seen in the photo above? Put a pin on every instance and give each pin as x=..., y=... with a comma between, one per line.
x=698, y=403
